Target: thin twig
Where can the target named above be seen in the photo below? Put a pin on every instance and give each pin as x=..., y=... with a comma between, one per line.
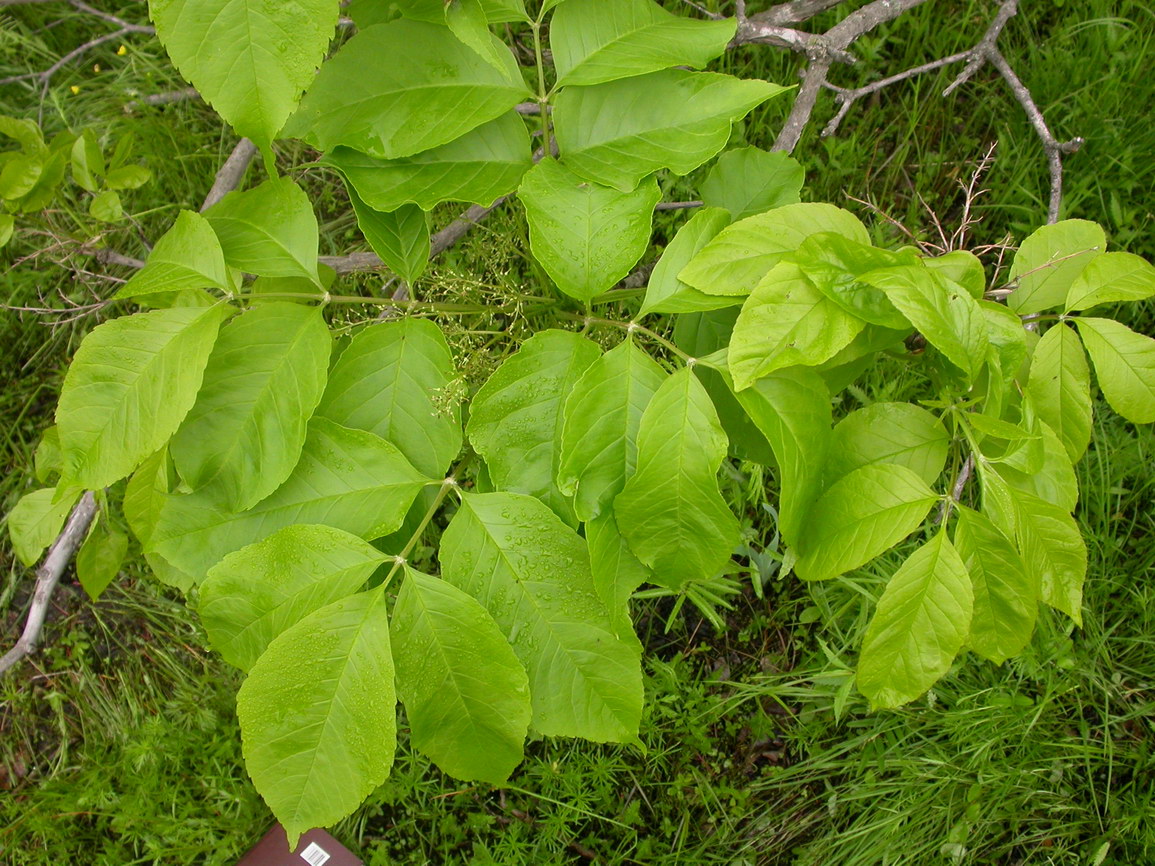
x=48, y=575
x=229, y=176
x=167, y=98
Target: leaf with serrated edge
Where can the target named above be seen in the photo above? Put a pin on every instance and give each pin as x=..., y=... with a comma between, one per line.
x=586, y=236
x=619, y=132
x=532, y=573
x=130, y=385
x=748, y=181
x=594, y=41
x=482, y=165
x=1124, y=366
x=188, y=256
x=899, y=433
x=259, y=591
x=263, y=54
x=1060, y=385
x=671, y=512
x=600, y=426
x=1049, y=260
x=387, y=381
x=516, y=419
x=466, y=694
x=919, y=626
x=318, y=714
x=36, y=520
x=244, y=434
x=1006, y=598
x=397, y=89
x=860, y=516
x=736, y=260
x=348, y=479
x=665, y=293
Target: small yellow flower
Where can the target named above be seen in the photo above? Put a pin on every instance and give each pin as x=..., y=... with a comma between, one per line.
x=121, y=51
x=96, y=67
x=75, y=90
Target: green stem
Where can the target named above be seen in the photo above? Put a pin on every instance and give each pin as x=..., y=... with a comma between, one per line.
x=448, y=484
x=542, y=93
x=630, y=328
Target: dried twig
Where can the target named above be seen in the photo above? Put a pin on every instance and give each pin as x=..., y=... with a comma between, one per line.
x=229, y=176
x=956, y=491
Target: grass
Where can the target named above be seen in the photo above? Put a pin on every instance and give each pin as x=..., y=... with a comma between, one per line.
x=118, y=744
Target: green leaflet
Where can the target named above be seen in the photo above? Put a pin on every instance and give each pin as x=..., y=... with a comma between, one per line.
x=1109, y=278
x=942, y=311
x=1006, y=598
x=465, y=692
x=467, y=21
x=400, y=238
x=100, y=557
x=318, y=714
x=256, y=593
x=1060, y=385
x=263, y=54
x=665, y=293
x=1124, y=365
x=1048, y=262
x=496, y=11
x=594, y=41
x=515, y=421
x=1053, y=551
x=348, y=479
x=619, y=132
x=746, y=440
x=47, y=459
x=36, y=520
x=860, y=516
x=617, y=573
x=397, y=89
x=188, y=256
x=269, y=230
x=748, y=181
x=920, y=624
x=394, y=379
x=1053, y=479
x=702, y=334
x=131, y=383
x=531, y=572
x=670, y=511
x=145, y=495
x=87, y=161
x=786, y=321
x=1007, y=336
x=899, y=433
x=483, y=164
x=962, y=267
x=792, y=410
x=244, y=434
x=833, y=264
x=586, y=236
x=600, y=425
x=741, y=255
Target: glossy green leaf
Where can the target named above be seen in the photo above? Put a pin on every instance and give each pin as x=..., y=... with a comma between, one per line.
x=921, y=623
x=1047, y=263
x=962, y=267
x=400, y=237
x=617, y=573
x=318, y=714
x=860, y=516
x=145, y=495
x=532, y=573
x=746, y=441
x=264, y=378
x=735, y=261
x=24, y=131
x=1060, y=386
x=1006, y=598
x=485, y=163
x=347, y=479
x=87, y=161
x=255, y=593
x=36, y=520
x=1007, y=336
x=20, y=175
x=787, y=321
x=263, y=55
x=465, y=692
x=106, y=207
x=586, y=236
x=515, y=421
x=397, y=89
x=670, y=511
x=100, y=557
x=942, y=311
x=7, y=228
x=496, y=11
x=395, y=380
x=833, y=263
x=747, y=181
x=1054, y=478
x=593, y=41
x=899, y=433
x=130, y=385
x=1054, y=552
x=467, y=21
x=269, y=230
x=702, y=334
x=188, y=256
x=1124, y=366
x=600, y=426
x=128, y=177
x=1110, y=278
x=47, y=458
x=619, y=132
x=665, y=293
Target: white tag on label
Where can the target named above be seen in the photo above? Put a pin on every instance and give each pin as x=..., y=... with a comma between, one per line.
x=315, y=855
